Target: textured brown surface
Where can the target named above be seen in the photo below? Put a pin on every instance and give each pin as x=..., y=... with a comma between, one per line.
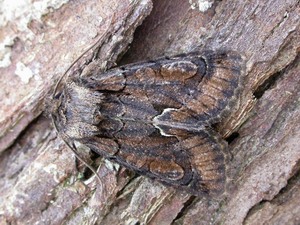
x=40, y=179
x=36, y=181
x=156, y=117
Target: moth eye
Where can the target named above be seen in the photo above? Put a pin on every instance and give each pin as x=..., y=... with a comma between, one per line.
x=168, y=169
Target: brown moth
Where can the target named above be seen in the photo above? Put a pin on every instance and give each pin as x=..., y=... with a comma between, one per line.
x=156, y=117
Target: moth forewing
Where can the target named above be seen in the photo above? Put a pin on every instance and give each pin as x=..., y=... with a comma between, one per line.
x=155, y=117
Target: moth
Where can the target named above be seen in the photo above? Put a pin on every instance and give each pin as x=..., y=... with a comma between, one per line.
x=156, y=118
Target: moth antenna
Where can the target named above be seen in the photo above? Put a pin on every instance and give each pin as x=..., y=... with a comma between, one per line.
x=53, y=97
x=81, y=55
x=85, y=163
x=78, y=156
x=73, y=63
x=52, y=116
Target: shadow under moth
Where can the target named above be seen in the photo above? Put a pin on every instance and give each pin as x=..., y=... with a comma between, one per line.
x=156, y=117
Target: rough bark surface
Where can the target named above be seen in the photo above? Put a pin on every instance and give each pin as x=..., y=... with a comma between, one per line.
x=41, y=181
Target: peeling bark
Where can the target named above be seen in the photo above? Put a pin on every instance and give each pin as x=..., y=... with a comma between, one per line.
x=42, y=183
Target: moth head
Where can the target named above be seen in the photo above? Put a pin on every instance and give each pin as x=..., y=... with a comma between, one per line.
x=75, y=111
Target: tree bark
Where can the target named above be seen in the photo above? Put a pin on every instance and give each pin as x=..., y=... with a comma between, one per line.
x=41, y=181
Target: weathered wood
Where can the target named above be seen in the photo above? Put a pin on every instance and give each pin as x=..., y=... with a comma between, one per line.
x=39, y=176
x=36, y=169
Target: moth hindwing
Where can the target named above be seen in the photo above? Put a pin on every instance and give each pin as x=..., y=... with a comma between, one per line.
x=155, y=117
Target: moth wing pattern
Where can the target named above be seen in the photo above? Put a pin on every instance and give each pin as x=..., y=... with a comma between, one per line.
x=192, y=161
x=155, y=117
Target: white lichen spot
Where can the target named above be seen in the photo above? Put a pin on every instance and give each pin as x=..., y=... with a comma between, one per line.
x=81, y=147
x=138, y=2
x=202, y=5
x=5, y=52
x=205, y=5
x=23, y=72
x=52, y=169
x=22, y=12
x=112, y=166
x=5, y=58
